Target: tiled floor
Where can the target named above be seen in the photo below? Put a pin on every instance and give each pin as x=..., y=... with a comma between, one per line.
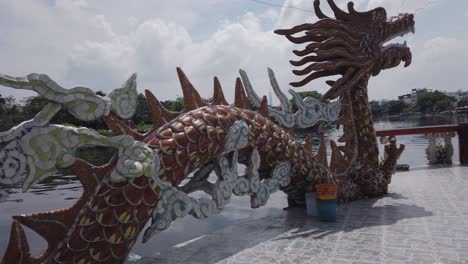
x=424, y=219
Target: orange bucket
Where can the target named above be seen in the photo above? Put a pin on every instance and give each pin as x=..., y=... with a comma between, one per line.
x=326, y=191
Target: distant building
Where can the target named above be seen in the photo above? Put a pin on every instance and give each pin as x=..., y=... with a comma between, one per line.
x=406, y=98
x=416, y=93
x=412, y=98
x=459, y=95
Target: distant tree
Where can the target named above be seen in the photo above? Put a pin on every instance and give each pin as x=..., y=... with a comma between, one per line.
x=313, y=94
x=32, y=105
x=395, y=107
x=177, y=104
x=142, y=114
x=443, y=105
x=462, y=103
x=376, y=108
x=10, y=106
x=434, y=102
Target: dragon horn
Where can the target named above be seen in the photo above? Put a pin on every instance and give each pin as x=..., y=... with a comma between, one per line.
x=285, y=104
x=264, y=107
x=159, y=114
x=254, y=98
x=240, y=99
x=298, y=99
x=218, y=95
x=192, y=99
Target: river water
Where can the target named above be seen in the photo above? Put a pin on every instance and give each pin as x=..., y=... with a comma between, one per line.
x=63, y=190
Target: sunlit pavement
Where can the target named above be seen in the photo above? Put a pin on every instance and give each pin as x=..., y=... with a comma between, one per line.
x=423, y=219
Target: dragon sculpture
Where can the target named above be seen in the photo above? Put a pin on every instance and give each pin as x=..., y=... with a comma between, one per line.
x=153, y=173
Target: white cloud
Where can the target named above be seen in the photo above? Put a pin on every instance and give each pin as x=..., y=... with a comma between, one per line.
x=271, y=15
x=89, y=44
x=78, y=47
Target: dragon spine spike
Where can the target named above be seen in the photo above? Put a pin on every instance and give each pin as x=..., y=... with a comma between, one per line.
x=347, y=150
x=322, y=151
x=285, y=104
x=49, y=225
x=17, y=250
x=218, y=95
x=308, y=142
x=264, y=107
x=159, y=114
x=252, y=95
x=118, y=127
x=192, y=99
x=240, y=99
x=338, y=163
x=347, y=136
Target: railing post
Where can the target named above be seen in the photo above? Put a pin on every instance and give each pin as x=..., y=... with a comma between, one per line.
x=431, y=149
x=463, y=143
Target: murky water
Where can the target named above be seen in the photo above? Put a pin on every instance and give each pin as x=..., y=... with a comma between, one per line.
x=62, y=191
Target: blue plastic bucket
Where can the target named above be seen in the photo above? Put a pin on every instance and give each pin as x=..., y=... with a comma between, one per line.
x=311, y=204
x=326, y=210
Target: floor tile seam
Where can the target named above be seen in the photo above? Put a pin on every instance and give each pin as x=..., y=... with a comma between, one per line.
x=340, y=235
x=429, y=235
x=452, y=204
x=442, y=191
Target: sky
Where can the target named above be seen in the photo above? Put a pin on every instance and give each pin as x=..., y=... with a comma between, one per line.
x=99, y=44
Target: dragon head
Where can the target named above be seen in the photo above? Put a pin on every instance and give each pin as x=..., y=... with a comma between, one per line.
x=353, y=45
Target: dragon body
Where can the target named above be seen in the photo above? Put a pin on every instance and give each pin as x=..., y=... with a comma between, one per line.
x=153, y=173
x=104, y=224
x=353, y=46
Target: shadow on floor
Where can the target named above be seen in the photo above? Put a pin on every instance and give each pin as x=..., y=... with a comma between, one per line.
x=362, y=214
x=288, y=225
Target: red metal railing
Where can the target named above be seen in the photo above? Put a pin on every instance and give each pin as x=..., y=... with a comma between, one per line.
x=460, y=129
